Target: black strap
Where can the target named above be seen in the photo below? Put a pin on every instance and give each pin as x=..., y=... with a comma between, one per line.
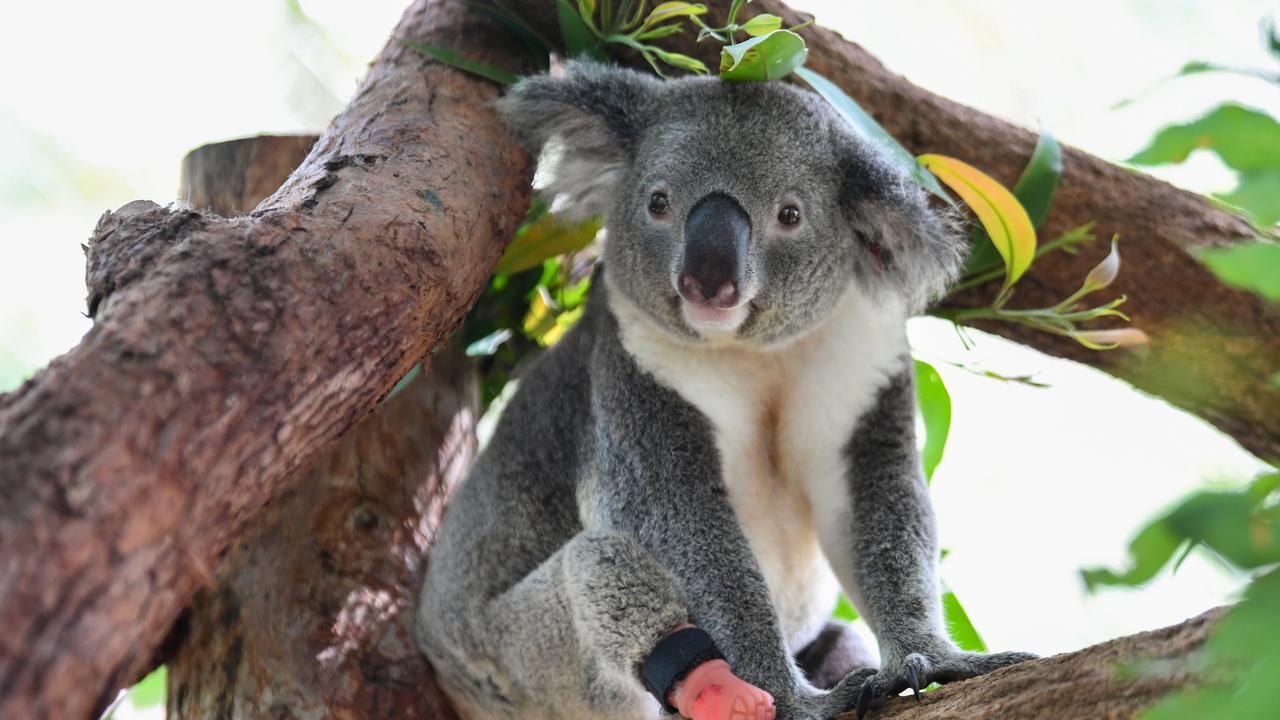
x=675, y=656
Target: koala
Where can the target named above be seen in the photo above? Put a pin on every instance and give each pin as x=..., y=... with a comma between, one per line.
x=679, y=488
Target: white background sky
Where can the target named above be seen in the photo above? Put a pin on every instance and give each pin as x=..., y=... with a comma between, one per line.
x=99, y=101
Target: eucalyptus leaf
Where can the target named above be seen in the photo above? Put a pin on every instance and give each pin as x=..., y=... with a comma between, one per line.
x=772, y=56
x=935, y=410
x=578, y=39
x=474, y=67
x=1039, y=179
x=761, y=24
x=671, y=10
x=1002, y=216
x=1257, y=192
x=1034, y=189
x=845, y=609
x=684, y=62
x=150, y=691
x=1245, y=139
x=548, y=236
x=873, y=132
x=961, y=628
x=538, y=48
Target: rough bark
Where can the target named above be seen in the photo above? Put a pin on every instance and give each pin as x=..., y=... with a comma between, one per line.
x=1214, y=349
x=227, y=352
x=1090, y=683
x=311, y=615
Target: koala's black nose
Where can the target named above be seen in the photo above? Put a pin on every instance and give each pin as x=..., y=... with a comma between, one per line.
x=716, y=234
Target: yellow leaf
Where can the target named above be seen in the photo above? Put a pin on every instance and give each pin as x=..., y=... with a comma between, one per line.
x=541, y=318
x=1000, y=213
x=669, y=10
x=546, y=237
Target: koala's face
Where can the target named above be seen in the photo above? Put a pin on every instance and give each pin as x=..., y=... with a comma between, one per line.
x=734, y=213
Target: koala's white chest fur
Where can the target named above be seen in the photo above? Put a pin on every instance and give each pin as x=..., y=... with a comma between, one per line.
x=782, y=420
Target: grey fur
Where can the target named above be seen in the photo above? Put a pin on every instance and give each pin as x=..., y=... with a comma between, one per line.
x=597, y=518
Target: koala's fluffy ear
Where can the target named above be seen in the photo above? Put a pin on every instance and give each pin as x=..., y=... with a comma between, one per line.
x=905, y=244
x=589, y=121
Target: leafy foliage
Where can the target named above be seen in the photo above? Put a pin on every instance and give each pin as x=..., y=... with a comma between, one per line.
x=1241, y=527
x=1246, y=140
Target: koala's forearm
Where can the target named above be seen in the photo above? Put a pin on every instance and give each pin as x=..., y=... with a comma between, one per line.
x=893, y=553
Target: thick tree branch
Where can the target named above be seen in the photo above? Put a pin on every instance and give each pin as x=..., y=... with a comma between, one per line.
x=312, y=614
x=226, y=352
x=1089, y=683
x=1214, y=349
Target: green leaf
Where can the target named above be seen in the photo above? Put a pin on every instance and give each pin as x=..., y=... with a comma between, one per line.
x=761, y=24
x=1238, y=525
x=534, y=43
x=670, y=10
x=660, y=32
x=963, y=633
x=1150, y=551
x=1039, y=179
x=866, y=126
x=1245, y=139
x=684, y=62
x=1258, y=193
x=845, y=610
x=546, y=237
x=150, y=691
x=1254, y=267
x=935, y=410
x=768, y=57
x=449, y=57
x=578, y=38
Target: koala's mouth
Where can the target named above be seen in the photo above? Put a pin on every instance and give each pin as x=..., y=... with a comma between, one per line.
x=710, y=321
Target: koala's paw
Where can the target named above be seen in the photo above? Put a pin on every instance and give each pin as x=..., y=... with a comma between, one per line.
x=917, y=670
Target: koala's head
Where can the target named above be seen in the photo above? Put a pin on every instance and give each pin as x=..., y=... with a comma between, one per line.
x=734, y=212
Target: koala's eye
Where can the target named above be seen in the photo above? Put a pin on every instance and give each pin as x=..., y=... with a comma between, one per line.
x=658, y=203
x=789, y=215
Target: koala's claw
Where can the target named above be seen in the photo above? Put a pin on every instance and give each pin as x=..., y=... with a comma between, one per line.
x=913, y=681
x=916, y=672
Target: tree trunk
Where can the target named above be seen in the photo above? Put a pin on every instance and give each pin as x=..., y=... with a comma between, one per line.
x=312, y=612
x=228, y=352
x=231, y=178
x=1214, y=349
x=1091, y=683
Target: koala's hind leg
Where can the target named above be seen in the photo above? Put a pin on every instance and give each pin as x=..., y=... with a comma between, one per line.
x=837, y=651
x=567, y=640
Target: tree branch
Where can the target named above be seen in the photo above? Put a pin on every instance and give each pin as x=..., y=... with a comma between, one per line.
x=226, y=352
x=1089, y=683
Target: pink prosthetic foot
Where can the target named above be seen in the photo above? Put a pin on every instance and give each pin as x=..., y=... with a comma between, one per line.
x=712, y=692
